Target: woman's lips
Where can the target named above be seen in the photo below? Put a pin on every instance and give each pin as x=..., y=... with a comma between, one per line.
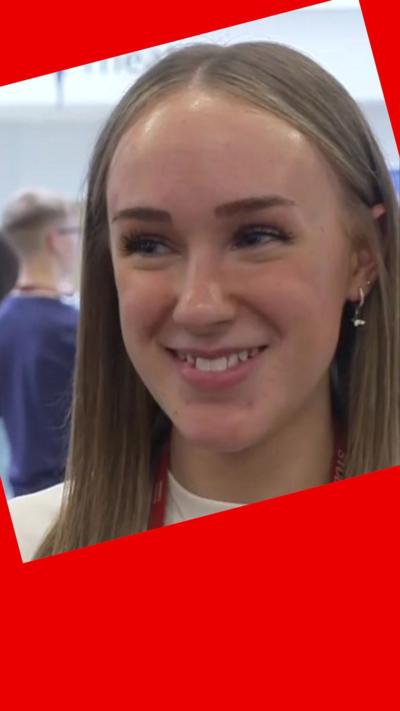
x=216, y=380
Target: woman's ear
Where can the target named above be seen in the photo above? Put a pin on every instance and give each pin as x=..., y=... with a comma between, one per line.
x=378, y=211
x=364, y=269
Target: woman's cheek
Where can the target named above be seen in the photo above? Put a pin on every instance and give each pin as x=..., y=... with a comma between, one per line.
x=142, y=302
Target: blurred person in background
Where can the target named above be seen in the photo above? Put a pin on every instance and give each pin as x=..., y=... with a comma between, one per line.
x=38, y=324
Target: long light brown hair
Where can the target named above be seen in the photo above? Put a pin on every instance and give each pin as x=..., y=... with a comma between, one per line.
x=117, y=428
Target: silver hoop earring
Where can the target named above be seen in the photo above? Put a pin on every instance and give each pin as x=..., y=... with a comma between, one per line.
x=357, y=321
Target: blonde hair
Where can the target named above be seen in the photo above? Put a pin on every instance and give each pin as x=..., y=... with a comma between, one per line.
x=27, y=215
x=117, y=428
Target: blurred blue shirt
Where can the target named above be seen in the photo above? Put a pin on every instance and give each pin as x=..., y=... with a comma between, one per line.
x=37, y=355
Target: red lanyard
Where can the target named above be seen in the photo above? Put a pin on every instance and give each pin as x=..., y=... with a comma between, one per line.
x=159, y=501
x=160, y=490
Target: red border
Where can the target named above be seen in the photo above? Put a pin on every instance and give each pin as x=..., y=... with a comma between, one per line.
x=287, y=604
x=79, y=33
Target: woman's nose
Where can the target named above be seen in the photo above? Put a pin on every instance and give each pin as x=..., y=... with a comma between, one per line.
x=204, y=298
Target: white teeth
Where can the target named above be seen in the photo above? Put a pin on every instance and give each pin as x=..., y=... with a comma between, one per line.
x=203, y=364
x=218, y=364
x=233, y=360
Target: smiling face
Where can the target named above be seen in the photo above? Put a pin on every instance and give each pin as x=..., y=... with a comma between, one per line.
x=227, y=236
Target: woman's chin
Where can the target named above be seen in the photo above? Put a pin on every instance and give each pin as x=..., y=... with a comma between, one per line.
x=219, y=439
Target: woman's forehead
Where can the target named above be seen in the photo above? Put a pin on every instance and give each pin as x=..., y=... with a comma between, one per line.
x=196, y=142
x=189, y=122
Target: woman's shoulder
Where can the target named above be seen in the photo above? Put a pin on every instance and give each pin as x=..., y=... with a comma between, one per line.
x=32, y=515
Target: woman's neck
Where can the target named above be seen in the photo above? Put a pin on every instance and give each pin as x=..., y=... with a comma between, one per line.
x=295, y=458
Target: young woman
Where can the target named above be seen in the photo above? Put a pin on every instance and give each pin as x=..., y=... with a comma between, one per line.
x=239, y=334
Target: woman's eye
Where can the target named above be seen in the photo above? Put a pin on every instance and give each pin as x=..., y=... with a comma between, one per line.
x=147, y=246
x=259, y=235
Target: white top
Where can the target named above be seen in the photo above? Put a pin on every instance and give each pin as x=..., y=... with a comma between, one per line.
x=32, y=515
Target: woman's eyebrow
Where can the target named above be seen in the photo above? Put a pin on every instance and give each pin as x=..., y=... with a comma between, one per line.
x=143, y=213
x=252, y=203
x=229, y=209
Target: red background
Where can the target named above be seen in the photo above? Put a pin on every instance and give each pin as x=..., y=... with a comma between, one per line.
x=288, y=604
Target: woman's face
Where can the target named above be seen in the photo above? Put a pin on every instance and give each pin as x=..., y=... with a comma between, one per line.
x=231, y=264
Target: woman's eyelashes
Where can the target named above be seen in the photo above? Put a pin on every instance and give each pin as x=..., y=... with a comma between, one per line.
x=252, y=236
x=143, y=244
x=248, y=237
